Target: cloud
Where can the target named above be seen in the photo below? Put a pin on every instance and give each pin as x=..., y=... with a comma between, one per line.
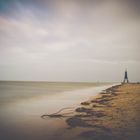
x=68, y=34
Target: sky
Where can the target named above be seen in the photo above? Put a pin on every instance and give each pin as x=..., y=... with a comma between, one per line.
x=69, y=40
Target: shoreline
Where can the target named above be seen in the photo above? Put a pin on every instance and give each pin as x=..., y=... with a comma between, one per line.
x=112, y=115
x=103, y=114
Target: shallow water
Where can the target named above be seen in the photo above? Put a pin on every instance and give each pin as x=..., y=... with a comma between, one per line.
x=22, y=104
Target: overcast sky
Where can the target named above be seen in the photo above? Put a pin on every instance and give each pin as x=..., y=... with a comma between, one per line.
x=69, y=40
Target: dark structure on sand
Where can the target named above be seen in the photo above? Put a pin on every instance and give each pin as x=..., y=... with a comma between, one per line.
x=125, y=77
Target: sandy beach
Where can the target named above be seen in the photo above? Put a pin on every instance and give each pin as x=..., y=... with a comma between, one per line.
x=96, y=113
x=113, y=115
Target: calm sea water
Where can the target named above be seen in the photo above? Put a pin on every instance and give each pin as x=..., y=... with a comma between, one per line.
x=13, y=91
x=22, y=104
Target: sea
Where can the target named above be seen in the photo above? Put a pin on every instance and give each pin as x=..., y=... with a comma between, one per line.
x=22, y=103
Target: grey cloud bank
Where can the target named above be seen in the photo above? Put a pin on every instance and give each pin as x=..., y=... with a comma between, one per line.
x=69, y=40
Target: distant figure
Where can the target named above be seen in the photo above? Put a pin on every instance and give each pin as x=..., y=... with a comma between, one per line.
x=125, y=77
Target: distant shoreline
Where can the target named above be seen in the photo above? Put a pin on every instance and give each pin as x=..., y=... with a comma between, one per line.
x=57, y=81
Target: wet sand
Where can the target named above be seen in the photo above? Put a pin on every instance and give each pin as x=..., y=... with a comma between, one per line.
x=113, y=115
